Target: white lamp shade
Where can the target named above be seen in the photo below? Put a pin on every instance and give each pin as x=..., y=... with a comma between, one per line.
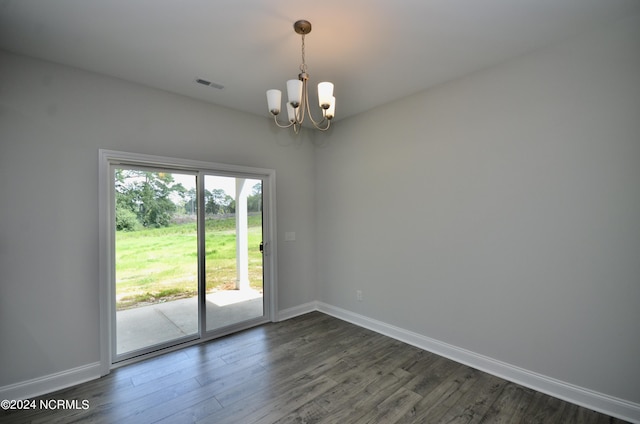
x=291, y=112
x=273, y=101
x=325, y=93
x=294, y=91
x=331, y=112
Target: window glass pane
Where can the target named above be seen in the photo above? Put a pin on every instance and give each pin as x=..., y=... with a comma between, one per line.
x=233, y=260
x=156, y=251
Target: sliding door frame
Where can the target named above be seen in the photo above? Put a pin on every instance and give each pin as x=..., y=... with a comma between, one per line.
x=106, y=223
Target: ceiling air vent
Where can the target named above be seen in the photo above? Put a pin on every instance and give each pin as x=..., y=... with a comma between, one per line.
x=209, y=83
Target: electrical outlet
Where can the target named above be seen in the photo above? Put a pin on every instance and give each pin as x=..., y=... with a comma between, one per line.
x=359, y=295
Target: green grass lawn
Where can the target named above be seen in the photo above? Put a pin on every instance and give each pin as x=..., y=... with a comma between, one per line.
x=159, y=264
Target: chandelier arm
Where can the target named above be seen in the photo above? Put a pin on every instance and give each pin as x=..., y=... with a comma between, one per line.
x=304, y=105
x=325, y=128
x=316, y=124
x=275, y=119
x=318, y=127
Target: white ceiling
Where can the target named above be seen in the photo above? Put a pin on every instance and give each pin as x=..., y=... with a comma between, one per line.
x=374, y=51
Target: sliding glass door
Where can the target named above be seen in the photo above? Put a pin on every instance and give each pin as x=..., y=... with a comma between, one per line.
x=188, y=256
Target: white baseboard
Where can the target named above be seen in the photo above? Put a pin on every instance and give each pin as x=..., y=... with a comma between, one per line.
x=297, y=311
x=50, y=383
x=596, y=401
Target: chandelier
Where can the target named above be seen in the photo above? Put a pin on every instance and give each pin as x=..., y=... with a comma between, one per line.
x=298, y=98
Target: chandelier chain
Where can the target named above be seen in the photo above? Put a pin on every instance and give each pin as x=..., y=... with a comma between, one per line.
x=303, y=66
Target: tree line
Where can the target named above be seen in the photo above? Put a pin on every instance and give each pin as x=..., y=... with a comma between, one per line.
x=152, y=199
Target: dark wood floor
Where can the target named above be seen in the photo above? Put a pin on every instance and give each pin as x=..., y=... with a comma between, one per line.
x=310, y=369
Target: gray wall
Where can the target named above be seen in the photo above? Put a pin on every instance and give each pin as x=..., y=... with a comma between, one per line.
x=497, y=213
x=53, y=120
x=500, y=213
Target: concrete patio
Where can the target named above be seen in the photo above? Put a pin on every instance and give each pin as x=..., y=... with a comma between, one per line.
x=149, y=325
